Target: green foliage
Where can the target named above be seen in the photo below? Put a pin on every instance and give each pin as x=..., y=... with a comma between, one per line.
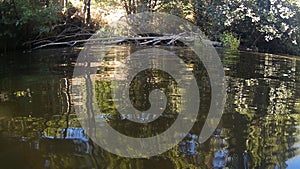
x=229, y=40
x=209, y=17
x=137, y=6
x=180, y=8
x=23, y=20
x=261, y=23
x=271, y=25
x=257, y=23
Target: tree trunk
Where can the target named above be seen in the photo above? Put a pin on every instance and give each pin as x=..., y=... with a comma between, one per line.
x=65, y=3
x=88, y=12
x=126, y=7
x=46, y=3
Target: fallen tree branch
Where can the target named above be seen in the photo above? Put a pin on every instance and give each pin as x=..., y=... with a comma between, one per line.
x=168, y=40
x=64, y=34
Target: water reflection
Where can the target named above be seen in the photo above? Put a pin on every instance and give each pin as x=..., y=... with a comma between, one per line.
x=263, y=97
x=39, y=128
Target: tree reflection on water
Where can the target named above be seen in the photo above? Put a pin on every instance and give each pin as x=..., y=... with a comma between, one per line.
x=259, y=127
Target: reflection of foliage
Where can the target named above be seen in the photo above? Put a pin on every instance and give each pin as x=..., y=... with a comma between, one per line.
x=260, y=121
x=156, y=79
x=103, y=95
x=266, y=134
x=297, y=105
x=139, y=99
x=269, y=141
x=185, y=155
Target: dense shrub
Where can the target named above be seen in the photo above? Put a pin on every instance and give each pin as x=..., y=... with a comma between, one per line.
x=23, y=20
x=229, y=40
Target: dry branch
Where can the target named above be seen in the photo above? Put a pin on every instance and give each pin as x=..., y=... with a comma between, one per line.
x=168, y=40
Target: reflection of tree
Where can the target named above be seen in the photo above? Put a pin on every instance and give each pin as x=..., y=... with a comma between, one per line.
x=142, y=84
x=48, y=131
x=263, y=99
x=48, y=142
x=257, y=129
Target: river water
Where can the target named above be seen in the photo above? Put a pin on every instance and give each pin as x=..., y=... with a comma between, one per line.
x=40, y=129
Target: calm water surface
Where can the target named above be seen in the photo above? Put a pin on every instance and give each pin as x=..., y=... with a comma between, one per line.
x=39, y=128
